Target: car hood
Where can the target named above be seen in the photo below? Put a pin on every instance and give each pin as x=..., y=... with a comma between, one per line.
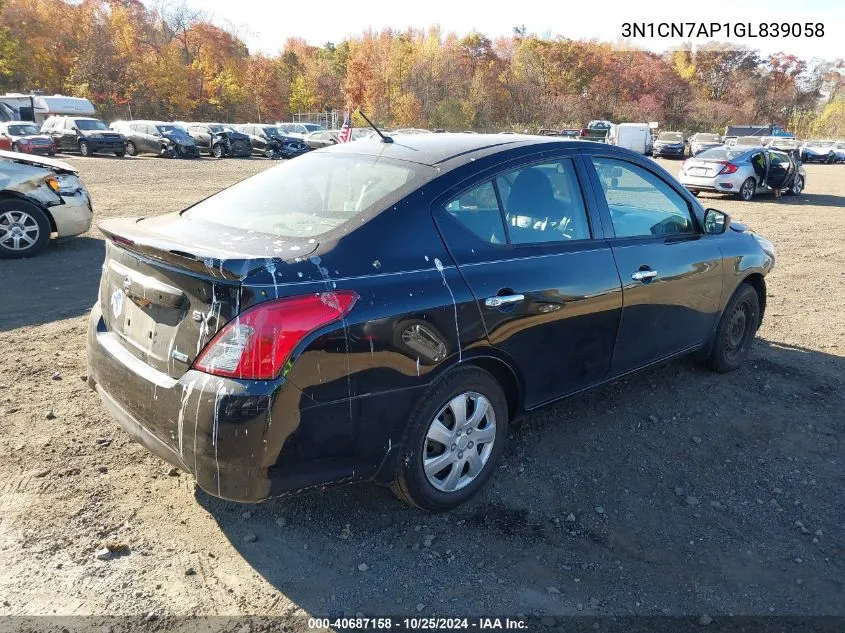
x=178, y=138
x=52, y=164
x=817, y=149
x=99, y=133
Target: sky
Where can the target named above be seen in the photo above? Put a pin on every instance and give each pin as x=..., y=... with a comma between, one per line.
x=265, y=24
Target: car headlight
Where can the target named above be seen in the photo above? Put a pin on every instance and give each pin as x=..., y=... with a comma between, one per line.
x=765, y=244
x=65, y=184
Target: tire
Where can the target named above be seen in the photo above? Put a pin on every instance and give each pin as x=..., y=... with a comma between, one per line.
x=747, y=189
x=797, y=186
x=269, y=153
x=120, y=153
x=831, y=158
x=16, y=147
x=217, y=151
x=131, y=149
x=736, y=330
x=32, y=224
x=455, y=482
x=84, y=148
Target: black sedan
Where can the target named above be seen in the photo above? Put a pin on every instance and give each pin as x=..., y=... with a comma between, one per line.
x=219, y=140
x=382, y=311
x=669, y=144
x=268, y=141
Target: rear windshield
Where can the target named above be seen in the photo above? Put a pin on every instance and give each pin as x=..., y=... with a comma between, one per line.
x=720, y=153
x=312, y=195
x=672, y=137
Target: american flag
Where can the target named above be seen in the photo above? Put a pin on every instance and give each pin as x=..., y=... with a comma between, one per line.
x=345, y=134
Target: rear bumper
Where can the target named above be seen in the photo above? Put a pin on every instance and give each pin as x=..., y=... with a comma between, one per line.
x=244, y=441
x=705, y=183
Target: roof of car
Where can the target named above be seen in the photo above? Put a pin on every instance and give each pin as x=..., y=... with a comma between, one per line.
x=436, y=149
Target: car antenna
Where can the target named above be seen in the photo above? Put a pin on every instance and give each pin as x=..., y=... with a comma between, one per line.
x=384, y=139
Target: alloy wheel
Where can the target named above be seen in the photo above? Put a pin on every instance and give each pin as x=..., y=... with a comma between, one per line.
x=18, y=230
x=459, y=441
x=747, y=191
x=798, y=185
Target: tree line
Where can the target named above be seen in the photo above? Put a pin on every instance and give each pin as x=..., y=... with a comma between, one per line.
x=172, y=62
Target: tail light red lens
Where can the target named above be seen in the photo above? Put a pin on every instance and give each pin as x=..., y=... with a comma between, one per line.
x=256, y=344
x=729, y=168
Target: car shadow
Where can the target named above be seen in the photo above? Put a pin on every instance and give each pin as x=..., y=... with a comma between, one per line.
x=58, y=283
x=573, y=504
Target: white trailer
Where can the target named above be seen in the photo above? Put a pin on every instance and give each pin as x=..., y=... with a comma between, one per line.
x=39, y=107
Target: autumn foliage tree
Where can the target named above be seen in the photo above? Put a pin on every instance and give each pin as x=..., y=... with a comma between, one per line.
x=168, y=60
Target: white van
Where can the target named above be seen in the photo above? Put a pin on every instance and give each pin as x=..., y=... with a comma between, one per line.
x=633, y=136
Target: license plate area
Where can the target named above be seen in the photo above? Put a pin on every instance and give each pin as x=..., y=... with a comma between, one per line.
x=148, y=328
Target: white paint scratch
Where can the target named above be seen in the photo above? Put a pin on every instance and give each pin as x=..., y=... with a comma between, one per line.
x=439, y=265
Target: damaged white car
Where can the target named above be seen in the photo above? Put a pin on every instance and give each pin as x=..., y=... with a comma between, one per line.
x=40, y=198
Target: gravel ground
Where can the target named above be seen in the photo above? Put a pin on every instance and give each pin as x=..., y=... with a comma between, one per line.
x=677, y=491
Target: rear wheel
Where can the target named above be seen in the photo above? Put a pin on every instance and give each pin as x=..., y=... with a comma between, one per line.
x=736, y=330
x=131, y=149
x=24, y=229
x=746, y=191
x=454, y=438
x=84, y=148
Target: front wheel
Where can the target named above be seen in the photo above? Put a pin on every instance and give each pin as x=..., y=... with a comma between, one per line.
x=217, y=151
x=454, y=438
x=797, y=186
x=746, y=191
x=131, y=149
x=84, y=148
x=736, y=330
x=24, y=229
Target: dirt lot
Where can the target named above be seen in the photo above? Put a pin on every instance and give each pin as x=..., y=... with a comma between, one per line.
x=675, y=492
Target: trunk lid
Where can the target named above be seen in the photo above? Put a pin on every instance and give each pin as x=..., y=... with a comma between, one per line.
x=703, y=167
x=169, y=283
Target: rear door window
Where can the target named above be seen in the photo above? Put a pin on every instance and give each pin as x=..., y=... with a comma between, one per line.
x=478, y=210
x=543, y=203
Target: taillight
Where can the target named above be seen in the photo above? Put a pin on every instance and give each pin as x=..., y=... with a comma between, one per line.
x=257, y=343
x=729, y=168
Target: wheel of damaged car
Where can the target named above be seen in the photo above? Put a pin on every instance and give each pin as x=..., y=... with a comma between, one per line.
x=454, y=438
x=24, y=229
x=736, y=330
x=131, y=149
x=84, y=148
x=269, y=153
x=217, y=151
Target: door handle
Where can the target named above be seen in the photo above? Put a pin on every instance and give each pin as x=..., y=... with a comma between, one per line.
x=641, y=275
x=498, y=301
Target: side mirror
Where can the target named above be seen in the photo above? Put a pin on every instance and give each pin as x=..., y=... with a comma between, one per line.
x=716, y=222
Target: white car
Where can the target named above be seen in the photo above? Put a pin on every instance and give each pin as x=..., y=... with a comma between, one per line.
x=839, y=149
x=299, y=130
x=819, y=152
x=47, y=199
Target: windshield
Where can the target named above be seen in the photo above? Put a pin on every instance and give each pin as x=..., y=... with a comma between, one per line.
x=313, y=127
x=172, y=130
x=361, y=133
x=719, y=153
x=90, y=124
x=706, y=138
x=783, y=143
x=821, y=143
x=840, y=145
x=23, y=130
x=273, y=131
x=218, y=128
x=313, y=194
x=670, y=137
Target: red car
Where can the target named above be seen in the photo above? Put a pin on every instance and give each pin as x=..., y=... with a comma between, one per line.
x=25, y=137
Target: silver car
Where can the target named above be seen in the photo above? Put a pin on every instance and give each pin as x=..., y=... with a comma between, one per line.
x=47, y=200
x=702, y=141
x=743, y=172
x=818, y=151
